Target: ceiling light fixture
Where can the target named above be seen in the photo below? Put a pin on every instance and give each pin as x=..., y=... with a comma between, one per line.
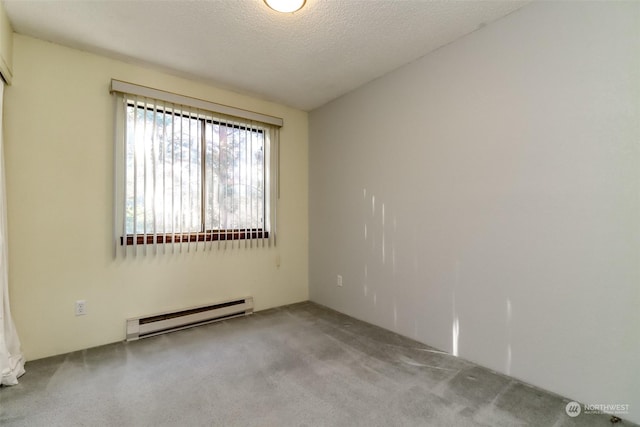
x=285, y=6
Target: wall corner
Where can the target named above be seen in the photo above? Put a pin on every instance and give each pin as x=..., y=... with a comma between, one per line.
x=6, y=46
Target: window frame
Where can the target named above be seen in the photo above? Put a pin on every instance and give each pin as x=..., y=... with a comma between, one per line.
x=263, y=235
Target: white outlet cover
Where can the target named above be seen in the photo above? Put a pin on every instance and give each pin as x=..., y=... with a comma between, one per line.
x=81, y=308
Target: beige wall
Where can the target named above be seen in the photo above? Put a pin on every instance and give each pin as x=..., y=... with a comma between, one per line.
x=484, y=199
x=59, y=152
x=6, y=46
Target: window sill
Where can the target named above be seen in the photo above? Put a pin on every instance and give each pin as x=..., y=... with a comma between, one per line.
x=209, y=236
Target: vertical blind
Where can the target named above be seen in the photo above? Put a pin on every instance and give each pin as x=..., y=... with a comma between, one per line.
x=190, y=178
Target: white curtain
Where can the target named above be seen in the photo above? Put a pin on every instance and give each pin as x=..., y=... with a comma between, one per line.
x=11, y=358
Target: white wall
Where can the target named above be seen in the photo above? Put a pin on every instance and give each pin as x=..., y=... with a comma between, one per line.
x=59, y=153
x=492, y=188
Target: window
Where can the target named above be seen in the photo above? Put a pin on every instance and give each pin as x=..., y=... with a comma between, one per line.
x=190, y=177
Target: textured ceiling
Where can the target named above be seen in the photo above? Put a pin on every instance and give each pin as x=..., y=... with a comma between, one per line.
x=304, y=60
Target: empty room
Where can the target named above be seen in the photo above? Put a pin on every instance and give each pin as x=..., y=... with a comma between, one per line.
x=319, y=213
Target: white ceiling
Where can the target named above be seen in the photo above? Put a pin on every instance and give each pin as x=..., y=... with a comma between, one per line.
x=304, y=60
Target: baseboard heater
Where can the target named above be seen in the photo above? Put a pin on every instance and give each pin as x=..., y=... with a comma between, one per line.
x=156, y=324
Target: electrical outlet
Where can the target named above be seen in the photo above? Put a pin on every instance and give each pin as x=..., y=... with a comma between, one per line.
x=81, y=307
x=339, y=280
